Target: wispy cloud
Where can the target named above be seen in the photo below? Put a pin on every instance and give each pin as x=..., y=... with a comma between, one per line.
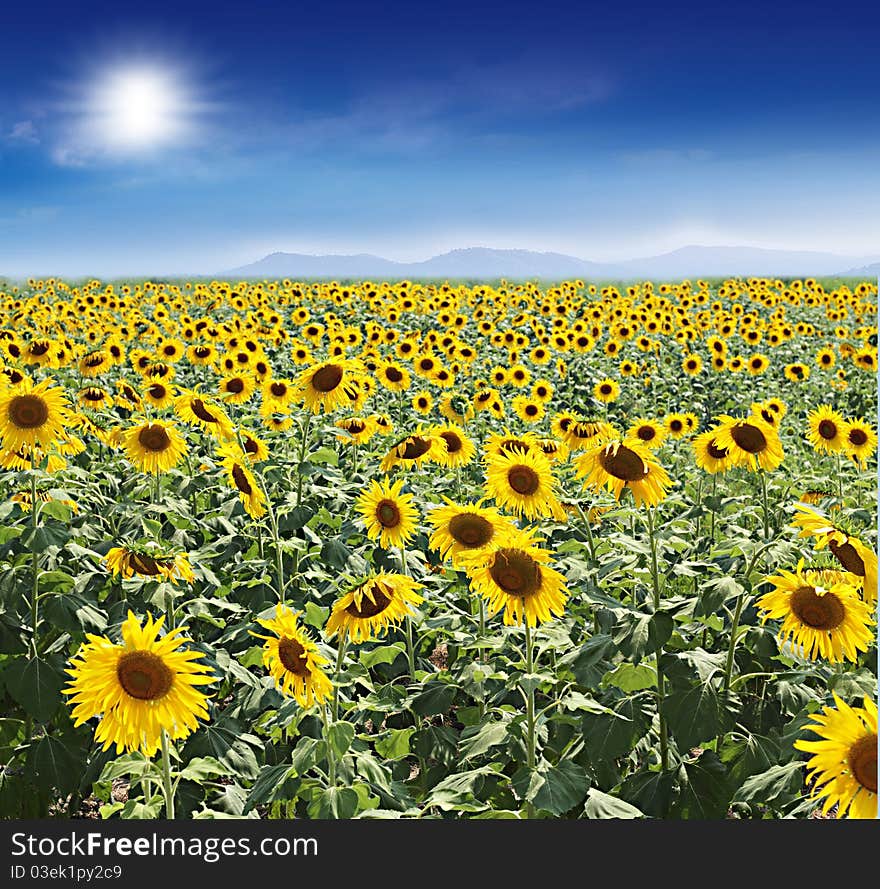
x=23, y=133
x=25, y=215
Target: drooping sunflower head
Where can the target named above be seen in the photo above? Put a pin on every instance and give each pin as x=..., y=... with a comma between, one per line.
x=463, y=530
x=388, y=513
x=293, y=659
x=585, y=434
x=709, y=456
x=205, y=414
x=821, y=612
x=459, y=449
x=624, y=463
x=843, y=766
x=524, y=483
x=139, y=688
x=242, y=480
x=128, y=561
x=414, y=450
x=367, y=610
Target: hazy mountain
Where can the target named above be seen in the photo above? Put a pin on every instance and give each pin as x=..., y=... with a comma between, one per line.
x=486, y=263
x=866, y=271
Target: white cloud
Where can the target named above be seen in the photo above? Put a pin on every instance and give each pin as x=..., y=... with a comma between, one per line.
x=24, y=132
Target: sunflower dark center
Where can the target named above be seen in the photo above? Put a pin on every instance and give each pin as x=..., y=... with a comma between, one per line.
x=241, y=480
x=846, y=554
x=749, y=438
x=393, y=375
x=202, y=351
x=143, y=564
x=250, y=446
x=471, y=530
x=531, y=410
x=28, y=411
x=646, y=433
x=516, y=572
x=292, y=654
x=388, y=514
x=40, y=348
x=93, y=394
x=606, y=389
x=415, y=447
x=825, y=612
x=624, y=464
x=857, y=437
x=715, y=452
x=169, y=350
x=327, y=378
x=368, y=608
x=144, y=676
x=157, y=391
x=235, y=385
x=676, y=425
x=828, y=430
x=278, y=389
x=862, y=761
x=453, y=442
x=154, y=437
x=198, y=408
x=356, y=426
x=523, y=479
x=94, y=360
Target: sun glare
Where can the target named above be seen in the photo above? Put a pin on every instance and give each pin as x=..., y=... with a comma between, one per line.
x=139, y=108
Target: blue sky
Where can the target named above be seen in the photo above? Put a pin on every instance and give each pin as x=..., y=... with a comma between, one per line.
x=606, y=131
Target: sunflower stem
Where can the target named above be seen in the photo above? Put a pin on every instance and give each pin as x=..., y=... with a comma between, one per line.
x=279, y=556
x=764, y=507
x=839, y=479
x=661, y=680
x=166, y=777
x=334, y=708
x=303, y=447
x=731, y=649
x=35, y=557
x=712, y=524
x=410, y=648
x=530, y=711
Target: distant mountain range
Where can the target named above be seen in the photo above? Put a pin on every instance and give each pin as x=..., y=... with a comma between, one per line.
x=476, y=263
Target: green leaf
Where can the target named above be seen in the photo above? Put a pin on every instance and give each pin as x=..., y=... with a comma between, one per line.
x=316, y=615
x=476, y=743
x=590, y=663
x=458, y=791
x=271, y=784
x=56, y=510
x=334, y=802
x=324, y=456
x=694, y=715
x=383, y=654
x=436, y=698
x=643, y=634
x=608, y=736
x=56, y=763
x=632, y=677
x=706, y=788
x=603, y=805
x=339, y=736
x=203, y=768
x=774, y=787
x=226, y=740
x=334, y=553
x=651, y=792
x=36, y=685
x=564, y=786
x=306, y=754
x=395, y=744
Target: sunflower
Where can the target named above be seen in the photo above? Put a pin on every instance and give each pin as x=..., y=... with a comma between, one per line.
x=154, y=446
x=826, y=430
x=821, y=612
x=649, y=432
x=797, y=372
x=456, y=408
x=141, y=688
x=256, y=449
x=606, y=391
x=553, y=449
x=328, y=385
x=32, y=415
x=620, y=464
x=461, y=530
x=515, y=575
x=585, y=434
x=237, y=388
x=128, y=397
x=94, y=397
x=561, y=422
x=242, y=480
x=202, y=355
x=367, y=610
x=460, y=449
x=750, y=442
x=159, y=395
x=94, y=363
x=277, y=394
x=359, y=429
x=414, y=450
x=692, y=364
x=388, y=513
x=843, y=766
x=861, y=441
x=393, y=376
x=676, y=425
x=710, y=458
x=853, y=555
x=293, y=660
x=277, y=422
x=757, y=364
x=205, y=414
x=422, y=403
x=524, y=483
x=127, y=562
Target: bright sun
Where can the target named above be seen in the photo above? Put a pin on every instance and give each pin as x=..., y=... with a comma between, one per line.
x=139, y=108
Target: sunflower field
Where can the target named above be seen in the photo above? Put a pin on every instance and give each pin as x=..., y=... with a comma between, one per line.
x=416, y=550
